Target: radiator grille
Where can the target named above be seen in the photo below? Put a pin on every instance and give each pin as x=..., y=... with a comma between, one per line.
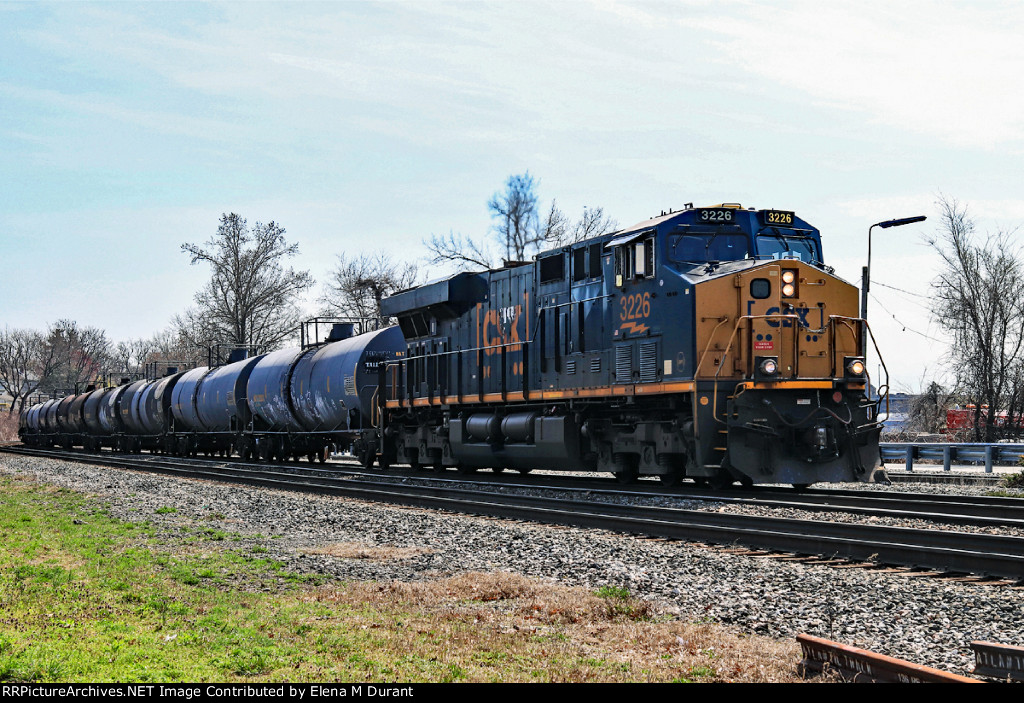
x=595, y=365
x=624, y=364
x=649, y=362
x=570, y=367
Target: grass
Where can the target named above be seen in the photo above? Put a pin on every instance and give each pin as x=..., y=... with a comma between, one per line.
x=86, y=597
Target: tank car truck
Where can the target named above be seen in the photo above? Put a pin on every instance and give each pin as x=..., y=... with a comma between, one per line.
x=710, y=343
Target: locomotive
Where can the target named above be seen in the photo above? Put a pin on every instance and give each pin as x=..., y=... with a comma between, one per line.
x=709, y=343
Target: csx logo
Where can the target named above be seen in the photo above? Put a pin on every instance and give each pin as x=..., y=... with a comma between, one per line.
x=800, y=313
x=501, y=328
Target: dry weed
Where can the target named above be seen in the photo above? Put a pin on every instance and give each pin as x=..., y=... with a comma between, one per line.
x=8, y=426
x=358, y=550
x=509, y=612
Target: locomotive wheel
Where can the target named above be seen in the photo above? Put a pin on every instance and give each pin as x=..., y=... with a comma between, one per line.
x=498, y=469
x=523, y=472
x=465, y=470
x=801, y=486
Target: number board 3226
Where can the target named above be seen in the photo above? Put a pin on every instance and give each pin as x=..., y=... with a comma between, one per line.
x=777, y=217
x=716, y=215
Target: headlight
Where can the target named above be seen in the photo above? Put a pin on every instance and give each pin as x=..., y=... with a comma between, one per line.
x=854, y=366
x=767, y=366
x=789, y=283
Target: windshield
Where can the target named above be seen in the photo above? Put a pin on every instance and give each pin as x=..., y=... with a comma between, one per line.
x=777, y=246
x=699, y=248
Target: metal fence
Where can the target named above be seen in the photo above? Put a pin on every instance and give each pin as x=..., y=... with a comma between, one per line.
x=970, y=453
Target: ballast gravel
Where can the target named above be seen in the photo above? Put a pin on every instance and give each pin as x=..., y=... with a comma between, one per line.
x=924, y=620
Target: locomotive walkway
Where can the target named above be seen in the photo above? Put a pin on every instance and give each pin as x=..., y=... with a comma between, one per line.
x=937, y=549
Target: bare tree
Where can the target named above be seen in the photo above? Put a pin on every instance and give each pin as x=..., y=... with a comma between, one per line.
x=458, y=249
x=79, y=355
x=979, y=300
x=169, y=346
x=26, y=361
x=357, y=286
x=518, y=229
x=130, y=356
x=928, y=409
x=516, y=212
x=251, y=299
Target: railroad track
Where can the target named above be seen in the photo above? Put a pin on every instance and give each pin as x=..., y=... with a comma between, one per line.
x=982, y=511
x=992, y=660
x=939, y=550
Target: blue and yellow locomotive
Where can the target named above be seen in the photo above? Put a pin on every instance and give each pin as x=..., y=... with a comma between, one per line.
x=708, y=343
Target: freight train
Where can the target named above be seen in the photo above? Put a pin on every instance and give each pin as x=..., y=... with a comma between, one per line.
x=709, y=343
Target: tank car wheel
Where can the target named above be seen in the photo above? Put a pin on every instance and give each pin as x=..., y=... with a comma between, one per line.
x=721, y=481
x=465, y=470
x=700, y=481
x=497, y=469
x=672, y=478
x=626, y=470
x=627, y=477
x=367, y=456
x=311, y=457
x=523, y=472
x=322, y=455
x=801, y=486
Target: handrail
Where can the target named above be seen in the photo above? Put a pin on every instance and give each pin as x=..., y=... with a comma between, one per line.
x=728, y=348
x=832, y=320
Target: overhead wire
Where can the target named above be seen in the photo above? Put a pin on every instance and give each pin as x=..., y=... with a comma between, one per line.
x=904, y=325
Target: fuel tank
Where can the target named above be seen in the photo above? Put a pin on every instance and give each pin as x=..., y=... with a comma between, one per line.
x=91, y=412
x=129, y=408
x=333, y=388
x=155, y=404
x=269, y=389
x=63, y=419
x=183, y=400
x=220, y=401
x=109, y=414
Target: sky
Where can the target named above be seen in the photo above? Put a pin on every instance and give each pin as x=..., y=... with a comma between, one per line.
x=127, y=130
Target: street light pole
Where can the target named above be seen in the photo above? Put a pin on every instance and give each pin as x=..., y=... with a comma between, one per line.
x=865, y=273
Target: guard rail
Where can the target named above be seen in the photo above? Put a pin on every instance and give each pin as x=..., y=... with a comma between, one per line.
x=964, y=453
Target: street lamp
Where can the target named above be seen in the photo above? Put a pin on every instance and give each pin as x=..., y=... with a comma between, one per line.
x=866, y=273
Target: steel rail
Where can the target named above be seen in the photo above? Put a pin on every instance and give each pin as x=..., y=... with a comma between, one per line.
x=862, y=666
x=944, y=550
x=998, y=661
x=985, y=511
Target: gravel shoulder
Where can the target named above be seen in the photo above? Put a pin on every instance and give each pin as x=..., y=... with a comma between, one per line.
x=924, y=620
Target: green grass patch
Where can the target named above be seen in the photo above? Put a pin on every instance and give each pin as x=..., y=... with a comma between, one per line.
x=85, y=597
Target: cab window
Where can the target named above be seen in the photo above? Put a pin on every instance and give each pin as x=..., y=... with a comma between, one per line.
x=634, y=260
